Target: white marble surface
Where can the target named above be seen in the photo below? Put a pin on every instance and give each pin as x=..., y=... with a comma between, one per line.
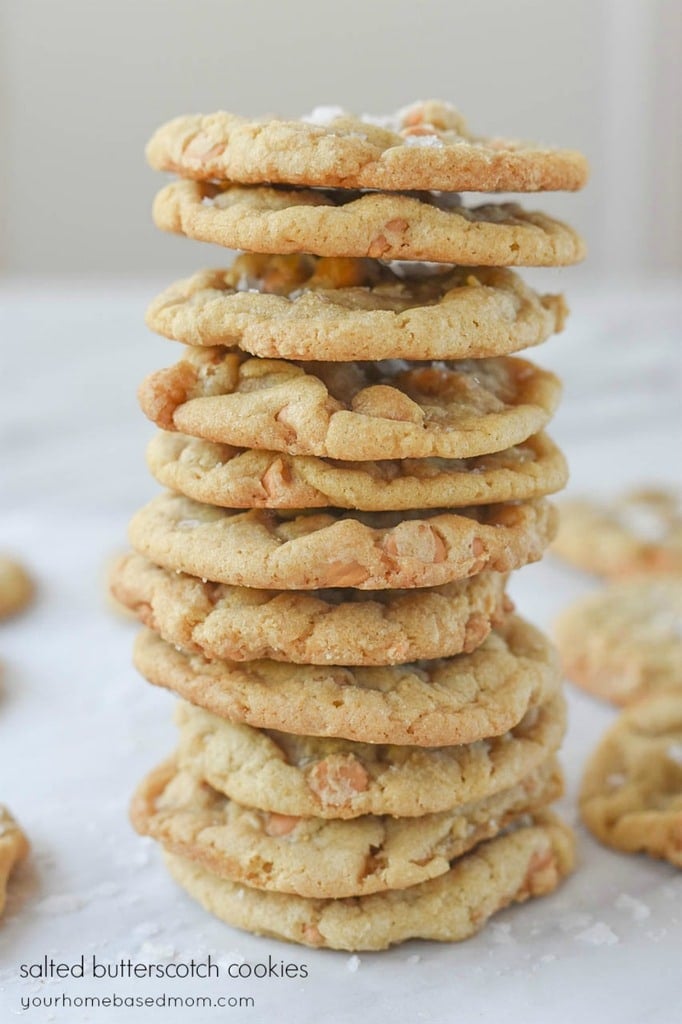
x=78, y=728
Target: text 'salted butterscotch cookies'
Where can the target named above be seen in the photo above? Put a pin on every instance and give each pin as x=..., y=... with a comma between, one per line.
x=355, y=458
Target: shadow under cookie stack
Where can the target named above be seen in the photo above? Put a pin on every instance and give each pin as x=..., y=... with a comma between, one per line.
x=354, y=462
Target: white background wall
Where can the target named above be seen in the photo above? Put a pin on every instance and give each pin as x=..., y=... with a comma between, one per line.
x=84, y=82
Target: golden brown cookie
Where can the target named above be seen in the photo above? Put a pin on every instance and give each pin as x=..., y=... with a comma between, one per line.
x=352, y=411
x=328, y=777
x=13, y=848
x=305, y=307
x=631, y=795
x=444, y=701
x=529, y=860
x=17, y=589
x=639, y=532
x=304, y=550
x=425, y=145
x=326, y=627
x=218, y=474
x=625, y=641
x=316, y=857
x=427, y=226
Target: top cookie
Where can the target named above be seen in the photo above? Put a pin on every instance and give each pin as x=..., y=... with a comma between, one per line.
x=423, y=146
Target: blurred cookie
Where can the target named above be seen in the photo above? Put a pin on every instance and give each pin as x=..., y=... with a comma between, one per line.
x=316, y=857
x=17, y=589
x=328, y=777
x=303, y=550
x=325, y=627
x=444, y=701
x=425, y=145
x=625, y=641
x=428, y=226
x=219, y=474
x=631, y=796
x=352, y=411
x=529, y=860
x=639, y=532
x=13, y=848
x=305, y=307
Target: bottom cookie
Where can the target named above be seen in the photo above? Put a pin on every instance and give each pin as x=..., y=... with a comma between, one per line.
x=529, y=860
x=13, y=848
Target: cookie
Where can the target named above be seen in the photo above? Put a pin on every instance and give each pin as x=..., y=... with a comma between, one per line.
x=352, y=411
x=17, y=589
x=305, y=307
x=638, y=532
x=428, y=226
x=304, y=550
x=631, y=795
x=13, y=848
x=425, y=145
x=625, y=641
x=444, y=701
x=337, y=627
x=218, y=474
x=529, y=860
x=329, y=777
x=316, y=857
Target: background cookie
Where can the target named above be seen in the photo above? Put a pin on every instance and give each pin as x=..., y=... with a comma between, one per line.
x=631, y=795
x=317, y=857
x=425, y=145
x=639, y=532
x=430, y=226
x=328, y=777
x=455, y=700
x=219, y=474
x=352, y=411
x=17, y=589
x=302, y=307
x=338, y=627
x=529, y=861
x=303, y=550
x=625, y=641
x=13, y=848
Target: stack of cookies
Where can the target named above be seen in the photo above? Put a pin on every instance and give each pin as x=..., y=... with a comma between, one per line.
x=354, y=462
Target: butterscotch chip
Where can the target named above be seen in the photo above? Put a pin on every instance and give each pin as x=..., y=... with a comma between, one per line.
x=304, y=307
x=17, y=589
x=316, y=857
x=631, y=795
x=443, y=701
x=328, y=777
x=625, y=641
x=638, y=532
x=528, y=861
x=219, y=474
x=326, y=627
x=13, y=848
x=425, y=145
x=352, y=411
x=303, y=550
x=340, y=223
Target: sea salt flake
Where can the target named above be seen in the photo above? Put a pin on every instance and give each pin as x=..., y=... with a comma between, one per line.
x=638, y=910
x=414, y=959
x=674, y=752
x=427, y=141
x=615, y=779
x=323, y=115
x=599, y=934
x=353, y=964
